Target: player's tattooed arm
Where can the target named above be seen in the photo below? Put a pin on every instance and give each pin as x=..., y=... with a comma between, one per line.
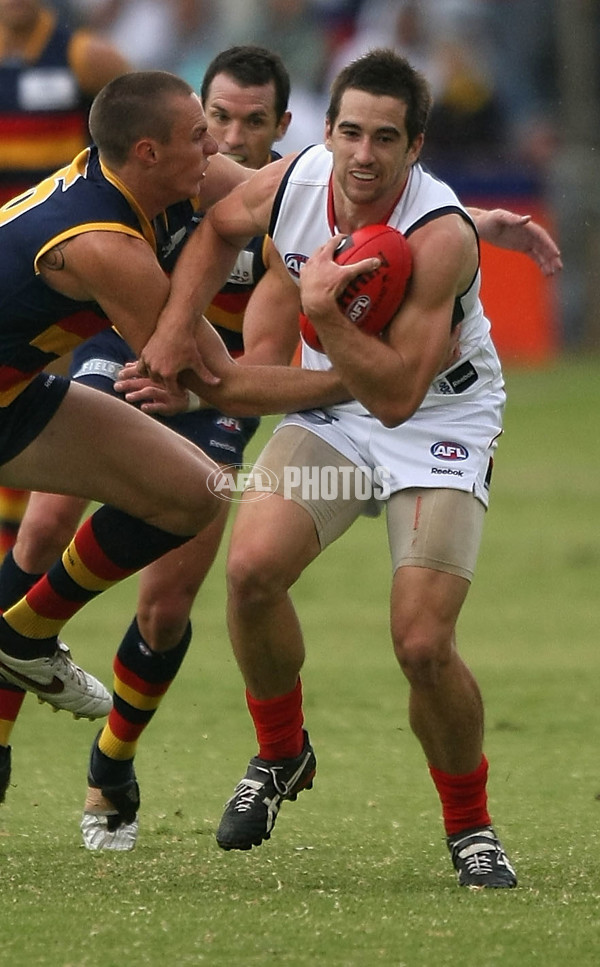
x=54, y=259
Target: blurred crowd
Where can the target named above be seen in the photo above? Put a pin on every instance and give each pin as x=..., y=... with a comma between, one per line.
x=491, y=63
x=500, y=122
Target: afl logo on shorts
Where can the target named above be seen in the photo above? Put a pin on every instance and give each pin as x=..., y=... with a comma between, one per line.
x=445, y=450
x=229, y=423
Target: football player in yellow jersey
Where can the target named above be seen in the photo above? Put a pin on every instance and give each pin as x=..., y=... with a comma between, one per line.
x=245, y=93
x=49, y=74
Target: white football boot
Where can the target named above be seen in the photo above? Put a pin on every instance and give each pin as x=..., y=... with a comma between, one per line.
x=58, y=681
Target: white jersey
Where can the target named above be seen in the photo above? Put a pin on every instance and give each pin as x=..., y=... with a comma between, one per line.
x=303, y=219
x=450, y=439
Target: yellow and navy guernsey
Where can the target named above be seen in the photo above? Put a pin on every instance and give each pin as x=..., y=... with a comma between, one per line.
x=43, y=111
x=38, y=324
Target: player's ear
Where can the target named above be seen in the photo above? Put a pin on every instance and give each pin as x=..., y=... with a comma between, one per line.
x=415, y=149
x=284, y=123
x=145, y=151
x=328, y=131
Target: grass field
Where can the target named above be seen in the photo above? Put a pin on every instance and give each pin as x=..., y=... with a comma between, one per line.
x=357, y=873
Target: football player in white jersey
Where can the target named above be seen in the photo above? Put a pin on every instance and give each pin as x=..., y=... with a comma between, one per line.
x=420, y=431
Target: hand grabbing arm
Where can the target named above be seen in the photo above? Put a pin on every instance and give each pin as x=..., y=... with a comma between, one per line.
x=153, y=398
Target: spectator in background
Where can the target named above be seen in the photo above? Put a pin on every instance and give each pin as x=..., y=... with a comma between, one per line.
x=403, y=25
x=151, y=33
x=450, y=44
x=304, y=33
x=532, y=63
x=293, y=29
x=337, y=18
x=49, y=74
x=524, y=61
x=467, y=125
x=547, y=67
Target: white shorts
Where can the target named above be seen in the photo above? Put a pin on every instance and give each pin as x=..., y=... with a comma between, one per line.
x=445, y=446
x=433, y=527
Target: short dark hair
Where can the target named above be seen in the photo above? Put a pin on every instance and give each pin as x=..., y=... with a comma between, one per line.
x=251, y=65
x=383, y=72
x=133, y=106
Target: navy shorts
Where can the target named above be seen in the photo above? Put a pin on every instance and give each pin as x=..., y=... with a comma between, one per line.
x=97, y=363
x=29, y=413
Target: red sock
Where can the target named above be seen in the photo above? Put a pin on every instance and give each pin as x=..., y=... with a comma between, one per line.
x=278, y=723
x=463, y=797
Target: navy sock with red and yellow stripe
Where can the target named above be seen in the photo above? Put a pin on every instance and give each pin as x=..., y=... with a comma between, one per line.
x=109, y=546
x=14, y=581
x=141, y=678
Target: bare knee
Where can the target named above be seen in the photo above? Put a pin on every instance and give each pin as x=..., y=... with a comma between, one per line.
x=425, y=607
x=45, y=531
x=163, y=622
x=187, y=513
x=423, y=653
x=253, y=578
x=177, y=499
x=167, y=592
x=205, y=509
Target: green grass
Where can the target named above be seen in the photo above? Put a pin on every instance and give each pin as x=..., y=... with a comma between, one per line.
x=357, y=873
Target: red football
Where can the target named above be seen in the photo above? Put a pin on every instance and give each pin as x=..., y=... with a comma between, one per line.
x=371, y=299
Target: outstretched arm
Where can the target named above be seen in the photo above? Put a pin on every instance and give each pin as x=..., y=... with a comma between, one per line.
x=85, y=268
x=520, y=233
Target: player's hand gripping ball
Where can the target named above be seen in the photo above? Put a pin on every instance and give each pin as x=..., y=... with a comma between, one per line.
x=371, y=299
